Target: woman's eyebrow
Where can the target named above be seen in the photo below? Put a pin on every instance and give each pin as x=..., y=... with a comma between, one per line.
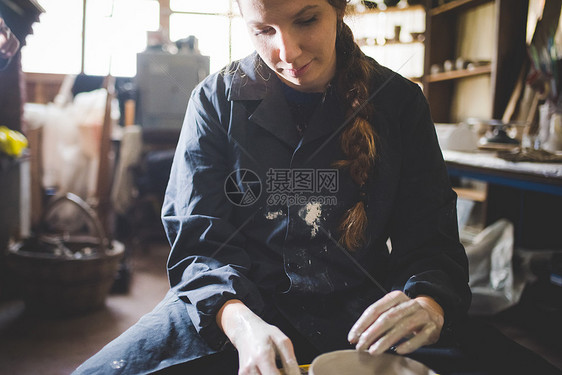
x=304, y=10
x=296, y=15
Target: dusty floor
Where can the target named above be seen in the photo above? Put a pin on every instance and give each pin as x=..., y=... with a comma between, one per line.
x=54, y=346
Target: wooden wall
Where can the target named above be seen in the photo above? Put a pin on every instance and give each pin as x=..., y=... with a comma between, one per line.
x=42, y=87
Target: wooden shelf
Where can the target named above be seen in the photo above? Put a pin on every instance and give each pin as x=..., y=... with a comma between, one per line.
x=455, y=6
x=470, y=194
x=456, y=74
x=451, y=30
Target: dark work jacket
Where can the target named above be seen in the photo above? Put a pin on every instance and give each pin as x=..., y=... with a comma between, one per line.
x=252, y=210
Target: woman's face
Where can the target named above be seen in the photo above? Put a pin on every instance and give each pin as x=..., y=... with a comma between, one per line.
x=295, y=38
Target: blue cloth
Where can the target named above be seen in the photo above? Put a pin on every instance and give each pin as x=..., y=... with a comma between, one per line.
x=252, y=212
x=165, y=342
x=160, y=339
x=302, y=106
x=279, y=252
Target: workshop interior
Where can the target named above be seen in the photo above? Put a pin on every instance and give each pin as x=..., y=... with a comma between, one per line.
x=92, y=102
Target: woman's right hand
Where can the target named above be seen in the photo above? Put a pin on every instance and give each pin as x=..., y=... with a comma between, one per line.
x=258, y=343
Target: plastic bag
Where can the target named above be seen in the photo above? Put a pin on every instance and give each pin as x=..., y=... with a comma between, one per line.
x=71, y=143
x=491, y=277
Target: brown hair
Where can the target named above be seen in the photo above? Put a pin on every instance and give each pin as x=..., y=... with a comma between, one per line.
x=353, y=74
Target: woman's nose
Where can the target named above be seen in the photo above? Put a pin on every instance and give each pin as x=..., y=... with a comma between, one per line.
x=289, y=47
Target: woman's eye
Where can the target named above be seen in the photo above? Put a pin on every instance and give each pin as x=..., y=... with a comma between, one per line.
x=265, y=31
x=308, y=21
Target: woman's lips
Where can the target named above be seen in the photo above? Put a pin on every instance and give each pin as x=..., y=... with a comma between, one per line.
x=296, y=73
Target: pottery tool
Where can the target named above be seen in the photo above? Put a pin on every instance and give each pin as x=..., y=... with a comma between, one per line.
x=302, y=368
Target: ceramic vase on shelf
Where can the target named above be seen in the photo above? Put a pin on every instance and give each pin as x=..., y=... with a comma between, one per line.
x=550, y=127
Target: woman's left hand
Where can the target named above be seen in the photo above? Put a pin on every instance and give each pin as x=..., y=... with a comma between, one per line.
x=395, y=317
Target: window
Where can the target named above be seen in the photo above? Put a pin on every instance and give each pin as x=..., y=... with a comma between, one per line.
x=210, y=7
x=114, y=32
x=56, y=43
x=217, y=25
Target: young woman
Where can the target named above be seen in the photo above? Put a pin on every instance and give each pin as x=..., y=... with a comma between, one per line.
x=294, y=168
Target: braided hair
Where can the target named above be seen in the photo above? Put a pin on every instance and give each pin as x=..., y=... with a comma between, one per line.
x=353, y=71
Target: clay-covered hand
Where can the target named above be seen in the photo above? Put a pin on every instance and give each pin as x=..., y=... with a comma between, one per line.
x=398, y=321
x=258, y=343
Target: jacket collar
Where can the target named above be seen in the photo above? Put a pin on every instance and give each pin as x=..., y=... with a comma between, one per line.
x=254, y=80
x=251, y=79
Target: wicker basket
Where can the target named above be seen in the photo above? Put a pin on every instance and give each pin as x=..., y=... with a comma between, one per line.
x=62, y=285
